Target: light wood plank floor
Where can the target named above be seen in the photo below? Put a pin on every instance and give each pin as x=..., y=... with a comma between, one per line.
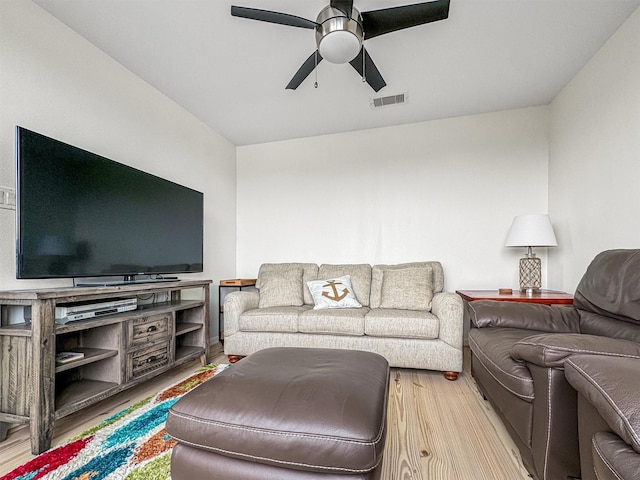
x=437, y=429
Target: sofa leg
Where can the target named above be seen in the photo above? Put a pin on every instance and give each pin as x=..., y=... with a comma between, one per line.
x=451, y=375
x=235, y=358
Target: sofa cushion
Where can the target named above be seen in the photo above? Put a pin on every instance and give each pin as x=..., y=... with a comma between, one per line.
x=377, y=278
x=280, y=288
x=613, y=459
x=382, y=322
x=492, y=348
x=343, y=321
x=309, y=272
x=333, y=293
x=611, y=385
x=407, y=288
x=596, y=324
x=360, y=275
x=527, y=316
x=271, y=319
x=611, y=286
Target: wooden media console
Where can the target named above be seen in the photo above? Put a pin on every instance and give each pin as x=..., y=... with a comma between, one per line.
x=120, y=350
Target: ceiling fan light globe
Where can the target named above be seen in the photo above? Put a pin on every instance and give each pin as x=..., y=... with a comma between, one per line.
x=339, y=47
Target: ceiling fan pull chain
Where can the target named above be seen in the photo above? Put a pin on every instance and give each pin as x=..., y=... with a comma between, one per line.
x=316, y=70
x=364, y=73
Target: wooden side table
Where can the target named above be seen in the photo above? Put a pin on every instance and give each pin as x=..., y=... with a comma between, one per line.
x=233, y=283
x=544, y=297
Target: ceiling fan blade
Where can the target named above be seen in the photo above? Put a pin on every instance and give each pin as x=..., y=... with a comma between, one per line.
x=303, y=72
x=272, y=17
x=344, y=6
x=371, y=72
x=387, y=20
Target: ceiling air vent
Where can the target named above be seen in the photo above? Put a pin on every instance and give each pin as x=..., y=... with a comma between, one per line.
x=380, y=102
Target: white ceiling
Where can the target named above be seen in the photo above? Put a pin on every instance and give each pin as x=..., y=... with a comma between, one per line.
x=230, y=72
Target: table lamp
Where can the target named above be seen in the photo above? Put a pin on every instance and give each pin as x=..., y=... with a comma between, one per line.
x=532, y=230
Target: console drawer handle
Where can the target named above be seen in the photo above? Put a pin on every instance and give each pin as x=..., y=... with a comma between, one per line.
x=152, y=328
x=151, y=359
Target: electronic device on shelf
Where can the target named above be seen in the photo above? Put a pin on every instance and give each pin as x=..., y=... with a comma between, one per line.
x=66, y=357
x=82, y=215
x=84, y=310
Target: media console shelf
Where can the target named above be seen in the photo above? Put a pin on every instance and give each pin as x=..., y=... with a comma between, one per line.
x=120, y=350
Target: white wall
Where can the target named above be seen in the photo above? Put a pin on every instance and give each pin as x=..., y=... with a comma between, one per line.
x=594, y=177
x=444, y=190
x=56, y=83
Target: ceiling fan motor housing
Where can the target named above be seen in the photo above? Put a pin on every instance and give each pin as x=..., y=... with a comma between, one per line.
x=338, y=36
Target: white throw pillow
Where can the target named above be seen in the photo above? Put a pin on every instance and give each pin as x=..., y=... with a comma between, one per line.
x=333, y=293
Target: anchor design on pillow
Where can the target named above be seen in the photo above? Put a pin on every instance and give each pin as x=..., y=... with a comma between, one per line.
x=336, y=296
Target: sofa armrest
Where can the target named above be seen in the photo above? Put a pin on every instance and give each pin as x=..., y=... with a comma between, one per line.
x=528, y=316
x=611, y=385
x=449, y=309
x=235, y=303
x=551, y=350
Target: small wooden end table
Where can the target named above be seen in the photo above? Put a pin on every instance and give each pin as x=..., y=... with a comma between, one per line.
x=544, y=297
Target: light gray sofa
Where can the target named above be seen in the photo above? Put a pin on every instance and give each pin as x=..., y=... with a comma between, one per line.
x=405, y=315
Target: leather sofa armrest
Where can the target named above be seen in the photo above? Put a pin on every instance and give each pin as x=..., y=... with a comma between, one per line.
x=551, y=350
x=528, y=316
x=449, y=309
x=235, y=303
x=611, y=385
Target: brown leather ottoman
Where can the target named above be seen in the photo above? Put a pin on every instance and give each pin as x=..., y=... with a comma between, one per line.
x=285, y=413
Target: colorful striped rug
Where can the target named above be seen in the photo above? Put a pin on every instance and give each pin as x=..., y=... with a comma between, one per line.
x=130, y=445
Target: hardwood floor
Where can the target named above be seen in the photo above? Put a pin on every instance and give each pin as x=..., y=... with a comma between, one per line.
x=436, y=429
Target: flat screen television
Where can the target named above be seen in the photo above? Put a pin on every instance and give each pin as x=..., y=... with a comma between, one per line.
x=82, y=215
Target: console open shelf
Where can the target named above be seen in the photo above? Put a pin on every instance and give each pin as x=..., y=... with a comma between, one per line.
x=90, y=355
x=80, y=393
x=120, y=349
x=186, y=353
x=182, y=328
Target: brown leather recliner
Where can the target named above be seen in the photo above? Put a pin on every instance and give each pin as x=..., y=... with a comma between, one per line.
x=608, y=415
x=519, y=349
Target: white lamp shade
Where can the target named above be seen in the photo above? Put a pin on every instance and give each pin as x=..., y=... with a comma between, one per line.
x=532, y=230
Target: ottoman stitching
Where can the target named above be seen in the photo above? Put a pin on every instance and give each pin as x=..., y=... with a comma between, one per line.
x=272, y=432
x=283, y=462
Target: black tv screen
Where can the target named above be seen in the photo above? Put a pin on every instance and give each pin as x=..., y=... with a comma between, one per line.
x=83, y=215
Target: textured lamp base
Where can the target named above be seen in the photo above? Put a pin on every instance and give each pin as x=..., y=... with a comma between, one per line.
x=530, y=274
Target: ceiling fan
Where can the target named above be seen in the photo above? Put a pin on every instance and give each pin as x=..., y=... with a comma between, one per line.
x=341, y=29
